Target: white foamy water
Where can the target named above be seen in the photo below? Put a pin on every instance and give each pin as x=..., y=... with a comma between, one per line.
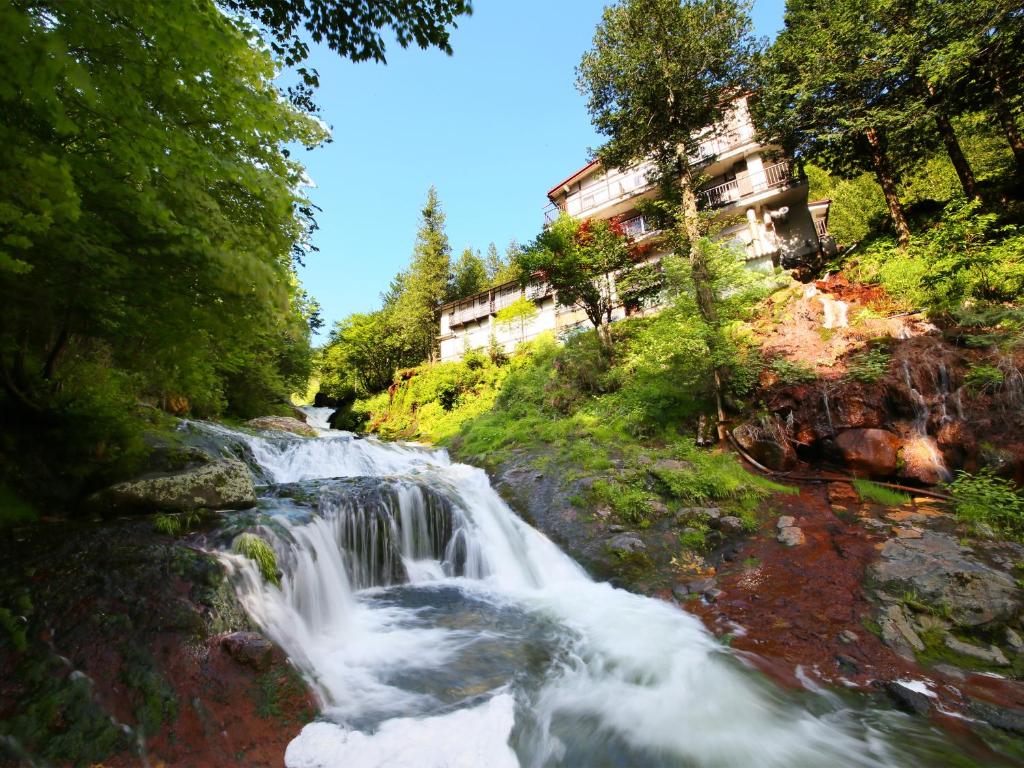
x=440, y=630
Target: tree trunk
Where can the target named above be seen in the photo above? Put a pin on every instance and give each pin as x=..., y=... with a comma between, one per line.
x=887, y=181
x=702, y=288
x=1009, y=124
x=954, y=150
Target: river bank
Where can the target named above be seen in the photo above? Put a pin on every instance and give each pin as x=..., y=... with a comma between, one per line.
x=408, y=600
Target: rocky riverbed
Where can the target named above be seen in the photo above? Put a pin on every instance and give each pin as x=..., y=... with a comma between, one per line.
x=829, y=590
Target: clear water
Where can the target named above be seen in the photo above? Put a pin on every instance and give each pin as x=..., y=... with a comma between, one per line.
x=440, y=631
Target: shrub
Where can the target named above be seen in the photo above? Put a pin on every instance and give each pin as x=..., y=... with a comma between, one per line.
x=630, y=502
x=790, y=373
x=868, y=367
x=983, y=378
x=966, y=256
x=985, y=499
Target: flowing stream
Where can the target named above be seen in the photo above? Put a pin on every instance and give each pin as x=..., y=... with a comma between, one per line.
x=440, y=630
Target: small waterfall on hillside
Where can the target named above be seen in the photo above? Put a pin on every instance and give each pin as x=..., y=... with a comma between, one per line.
x=440, y=630
x=920, y=451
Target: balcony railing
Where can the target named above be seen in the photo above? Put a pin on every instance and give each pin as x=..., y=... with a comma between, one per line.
x=772, y=177
x=492, y=302
x=637, y=227
x=613, y=187
x=718, y=144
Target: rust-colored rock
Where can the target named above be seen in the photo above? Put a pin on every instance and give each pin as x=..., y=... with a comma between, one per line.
x=869, y=451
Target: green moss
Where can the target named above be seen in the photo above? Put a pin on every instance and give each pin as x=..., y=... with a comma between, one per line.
x=57, y=719
x=13, y=509
x=694, y=539
x=276, y=690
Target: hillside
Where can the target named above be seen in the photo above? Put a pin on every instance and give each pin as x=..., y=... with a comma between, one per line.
x=860, y=397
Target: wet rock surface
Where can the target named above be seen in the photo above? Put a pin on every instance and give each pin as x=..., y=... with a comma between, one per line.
x=220, y=484
x=282, y=424
x=942, y=573
x=250, y=648
x=872, y=452
x=118, y=660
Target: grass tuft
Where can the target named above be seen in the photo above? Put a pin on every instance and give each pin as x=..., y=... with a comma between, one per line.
x=879, y=494
x=257, y=550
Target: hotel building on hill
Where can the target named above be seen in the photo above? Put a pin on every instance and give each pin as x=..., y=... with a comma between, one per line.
x=751, y=188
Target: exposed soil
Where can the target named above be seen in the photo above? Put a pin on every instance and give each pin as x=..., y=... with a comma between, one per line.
x=804, y=613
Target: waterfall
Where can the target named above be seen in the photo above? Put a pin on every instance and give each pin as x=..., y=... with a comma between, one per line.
x=439, y=629
x=921, y=452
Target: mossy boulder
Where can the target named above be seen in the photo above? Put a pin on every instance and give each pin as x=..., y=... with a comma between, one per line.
x=222, y=484
x=282, y=424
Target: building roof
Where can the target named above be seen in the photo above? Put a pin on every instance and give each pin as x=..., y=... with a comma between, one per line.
x=573, y=177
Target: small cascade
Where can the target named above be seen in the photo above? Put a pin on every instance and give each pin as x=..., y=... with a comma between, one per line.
x=828, y=410
x=439, y=629
x=920, y=451
x=835, y=311
x=318, y=417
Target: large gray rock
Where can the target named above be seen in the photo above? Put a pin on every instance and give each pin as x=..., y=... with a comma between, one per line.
x=282, y=424
x=223, y=484
x=944, y=575
x=627, y=542
x=791, y=536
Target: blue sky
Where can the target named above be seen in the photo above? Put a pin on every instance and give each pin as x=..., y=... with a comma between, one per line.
x=493, y=127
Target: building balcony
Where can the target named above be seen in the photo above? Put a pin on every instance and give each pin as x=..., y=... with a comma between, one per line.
x=491, y=302
x=638, y=228
x=736, y=190
x=717, y=143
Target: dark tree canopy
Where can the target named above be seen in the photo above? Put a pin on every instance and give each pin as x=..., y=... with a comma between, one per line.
x=353, y=28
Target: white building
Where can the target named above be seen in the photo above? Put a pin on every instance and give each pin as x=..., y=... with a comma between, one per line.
x=752, y=189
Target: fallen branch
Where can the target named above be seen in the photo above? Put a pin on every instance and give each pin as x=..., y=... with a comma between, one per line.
x=836, y=477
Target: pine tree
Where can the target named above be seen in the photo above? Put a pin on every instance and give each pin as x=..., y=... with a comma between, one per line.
x=493, y=263
x=469, y=275
x=426, y=283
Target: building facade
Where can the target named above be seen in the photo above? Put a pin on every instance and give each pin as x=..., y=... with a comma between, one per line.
x=754, y=192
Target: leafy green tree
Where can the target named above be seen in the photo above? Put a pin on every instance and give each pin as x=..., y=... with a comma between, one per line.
x=520, y=313
x=469, y=276
x=582, y=261
x=149, y=217
x=857, y=205
x=363, y=354
x=971, y=55
x=836, y=90
x=660, y=71
x=350, y=27
x=426, y=283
